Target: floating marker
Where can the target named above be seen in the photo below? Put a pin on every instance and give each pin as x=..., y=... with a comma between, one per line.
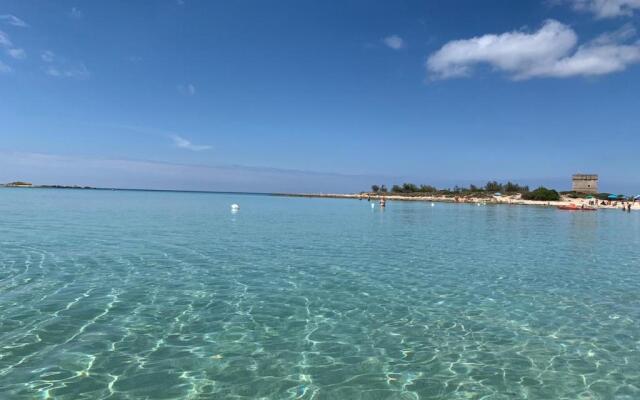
x=373, y=205
x=433, y=204
x=235, y=208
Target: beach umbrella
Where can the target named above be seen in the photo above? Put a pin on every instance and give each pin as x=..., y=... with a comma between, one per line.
x=497, y=194
x=613, y=197
x=589, y=197
x=637, y=197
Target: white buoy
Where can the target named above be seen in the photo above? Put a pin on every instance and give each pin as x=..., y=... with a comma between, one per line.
x=373, y=205
x=433, y=204
x=235, y=208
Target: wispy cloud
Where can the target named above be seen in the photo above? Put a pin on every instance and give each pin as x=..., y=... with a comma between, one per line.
x=75, y=71
x=179, y=141
x=48, y=56
x=607, y=8
x=187, y=90
x=13, y=52
x=18, y=54
x=131, y=173
x=59, y=67
x=183, y=143
x=549, y=52
x=5, y=43
x=13, y=20
x=394, y=42
x=4, y=68
x=4, y=40
x=76, y=13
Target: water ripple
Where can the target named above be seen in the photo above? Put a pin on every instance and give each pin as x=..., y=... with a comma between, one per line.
x=167, y=296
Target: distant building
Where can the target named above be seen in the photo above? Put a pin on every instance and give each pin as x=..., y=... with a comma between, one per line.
x=585, y=183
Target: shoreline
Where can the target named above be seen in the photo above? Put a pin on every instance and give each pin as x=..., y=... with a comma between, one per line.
x=488, y=200
x=492, y=200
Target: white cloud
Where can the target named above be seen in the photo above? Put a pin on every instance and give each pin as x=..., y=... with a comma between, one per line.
x=48, y=56
x=607, y=8
x=394, y=42
x=13, y=20
x=76, y=13
x=591, y=59
x=18, y=54
x=187, y=90
x=549, y=52
x=186, y=144
x=512, y=51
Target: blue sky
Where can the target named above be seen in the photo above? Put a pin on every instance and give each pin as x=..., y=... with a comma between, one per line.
x=319, y=95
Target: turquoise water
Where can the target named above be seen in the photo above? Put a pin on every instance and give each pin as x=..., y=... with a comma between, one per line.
x=151, y=295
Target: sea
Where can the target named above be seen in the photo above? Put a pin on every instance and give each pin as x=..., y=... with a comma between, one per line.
x=115, y=294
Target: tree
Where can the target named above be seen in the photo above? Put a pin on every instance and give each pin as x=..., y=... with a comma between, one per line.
x=510, y=187
x=493, y=186
x=409, y=188
x=396, y=189
x=375, y=188
x=383, y=188
x=427, y=189
x=473, y=188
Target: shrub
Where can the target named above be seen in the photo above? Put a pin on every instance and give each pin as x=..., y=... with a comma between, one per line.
x=542, y=194
x=574, y=195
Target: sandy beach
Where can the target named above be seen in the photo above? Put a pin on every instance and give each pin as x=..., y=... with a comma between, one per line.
x=504, y=199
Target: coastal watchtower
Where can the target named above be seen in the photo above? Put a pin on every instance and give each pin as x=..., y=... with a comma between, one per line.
x=585, y=183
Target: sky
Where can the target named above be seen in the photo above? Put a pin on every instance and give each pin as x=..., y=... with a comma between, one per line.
x=319, y=96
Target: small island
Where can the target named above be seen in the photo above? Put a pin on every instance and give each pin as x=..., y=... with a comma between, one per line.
x=18, y=184
x=492, y=192
x=23, y=184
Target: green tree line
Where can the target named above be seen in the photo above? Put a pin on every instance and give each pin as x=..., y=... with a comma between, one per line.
x=491, y=187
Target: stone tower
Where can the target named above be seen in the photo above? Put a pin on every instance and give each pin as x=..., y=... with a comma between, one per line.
x=585, y=183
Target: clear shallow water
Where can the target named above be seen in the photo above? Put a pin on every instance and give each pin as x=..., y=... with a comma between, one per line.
x=168, y=295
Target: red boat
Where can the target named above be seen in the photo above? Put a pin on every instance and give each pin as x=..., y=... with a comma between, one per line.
x=573, y=207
